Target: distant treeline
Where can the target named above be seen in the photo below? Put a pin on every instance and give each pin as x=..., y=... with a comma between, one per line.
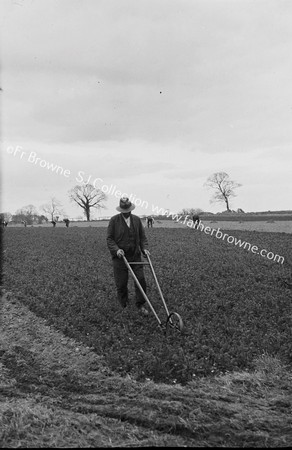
x=239, y=217
x=247, y=217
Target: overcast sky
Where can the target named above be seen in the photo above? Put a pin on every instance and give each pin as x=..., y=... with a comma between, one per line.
x=150, y=96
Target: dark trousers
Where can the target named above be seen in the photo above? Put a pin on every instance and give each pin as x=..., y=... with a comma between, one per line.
x=121, y=275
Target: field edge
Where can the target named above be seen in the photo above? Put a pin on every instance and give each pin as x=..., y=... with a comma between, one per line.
x=60, y=393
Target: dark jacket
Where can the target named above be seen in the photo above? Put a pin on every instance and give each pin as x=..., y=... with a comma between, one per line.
x=117, y=234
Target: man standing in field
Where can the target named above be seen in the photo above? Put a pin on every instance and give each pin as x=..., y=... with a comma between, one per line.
x=196, y=220
x=126, y=236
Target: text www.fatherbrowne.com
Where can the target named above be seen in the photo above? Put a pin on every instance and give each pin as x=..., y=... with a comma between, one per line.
x=224, y=236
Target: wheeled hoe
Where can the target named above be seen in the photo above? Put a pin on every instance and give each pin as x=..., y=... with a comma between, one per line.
x=173, y=319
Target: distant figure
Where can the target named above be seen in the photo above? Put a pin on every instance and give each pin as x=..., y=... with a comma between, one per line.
x=196, y=220
x=24, y=222
x=67, y=221
x=4, y=223
x=53, y=222
x=150, y=221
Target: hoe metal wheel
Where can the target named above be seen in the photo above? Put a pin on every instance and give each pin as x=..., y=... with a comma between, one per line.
x=175, y=321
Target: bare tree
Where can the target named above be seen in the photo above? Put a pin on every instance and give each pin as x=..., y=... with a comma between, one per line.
x=87, y=197
x=52, y=208
x=42, y=219
x=224, y=188
x=190, y=211
x=27, y=213
x=6, y=217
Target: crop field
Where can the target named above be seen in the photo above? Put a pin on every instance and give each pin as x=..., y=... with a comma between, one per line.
x=235, y=305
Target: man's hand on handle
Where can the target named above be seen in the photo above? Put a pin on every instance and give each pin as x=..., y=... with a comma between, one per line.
x=120, y=253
